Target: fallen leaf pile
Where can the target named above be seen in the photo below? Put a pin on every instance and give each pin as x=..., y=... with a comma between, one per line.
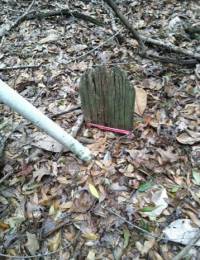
x=140, y=196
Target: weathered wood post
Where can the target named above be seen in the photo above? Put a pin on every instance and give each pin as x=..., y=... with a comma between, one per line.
x=107, y=98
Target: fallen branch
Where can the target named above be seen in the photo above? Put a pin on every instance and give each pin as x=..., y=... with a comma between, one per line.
x=148, y=40
x=171, y=47
x=197, y=71
x=63, y=12
x=193, y=241
x=41, y=15
x=66, y=111
x=21, y=67
x=8, y=27
x=57, y=227
x=165, y=59
x=126, y=22
x=193, y=29
x=5, y=177
x=11, y=98
x=130, y=223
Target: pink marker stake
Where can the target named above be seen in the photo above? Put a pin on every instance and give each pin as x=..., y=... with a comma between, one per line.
x=109, y=129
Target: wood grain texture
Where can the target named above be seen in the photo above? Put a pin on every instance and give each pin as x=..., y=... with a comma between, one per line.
x=107, y=98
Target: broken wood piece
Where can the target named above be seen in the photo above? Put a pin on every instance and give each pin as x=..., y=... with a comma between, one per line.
x=14, y=100
x=76, y=128
x=107, y=98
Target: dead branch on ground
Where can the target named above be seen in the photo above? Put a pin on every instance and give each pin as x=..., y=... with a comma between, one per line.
x=126, y=22
x=151, y=41
x=21, y=67
x=8, y=27
x=47, y=14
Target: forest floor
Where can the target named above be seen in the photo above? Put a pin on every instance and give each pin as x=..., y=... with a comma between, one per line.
x=140, y=196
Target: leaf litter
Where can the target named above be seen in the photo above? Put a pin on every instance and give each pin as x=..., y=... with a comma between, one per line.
x=138, y=187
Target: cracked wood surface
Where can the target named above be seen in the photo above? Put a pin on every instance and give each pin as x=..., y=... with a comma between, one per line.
x=107, y=98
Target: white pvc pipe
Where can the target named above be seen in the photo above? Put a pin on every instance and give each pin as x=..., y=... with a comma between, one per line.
x=12, y=99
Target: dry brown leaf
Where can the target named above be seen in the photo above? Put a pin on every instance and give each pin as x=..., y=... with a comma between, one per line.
x=191, y=109
x=144, y=248
x=3, y=226
x=189, y=137
x=91, y=255
x=54, y=242
x=193, y=217
x=63, y=180
x=168, y=155
x=66, y=205
x=82, y=202
x=46, y=142
x=32, y=243
x=90, y=235
x=39, y=173
x=52, y=37
x=140, y=101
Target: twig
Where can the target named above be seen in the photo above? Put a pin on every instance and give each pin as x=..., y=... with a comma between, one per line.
x=94, y=49
x=170, y=47
x=131, y=224
x=42, y=255
x=162, y=59
x=197, y=71
x=125, y=21
x=39, y=15
x=85, y=140
x=30, y=7
x=7, y=28
x=22, y=17
x=58, y=226
x=151, y=234
x=74, y=131
x=148, y=40
x=3, y=142
x=186, y=249
x=63, y=12
x=5, y=177
x=114, y=63
x=193, y=29
x=165, y=59
x=76, y=128
x=21, y=67
x=66, y=111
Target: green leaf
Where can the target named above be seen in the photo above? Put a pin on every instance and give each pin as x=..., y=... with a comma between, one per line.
x=196, y=176
x=148, y=209
x=175, y=188
x=145, y=186
x=126, y=237
x=145, y=225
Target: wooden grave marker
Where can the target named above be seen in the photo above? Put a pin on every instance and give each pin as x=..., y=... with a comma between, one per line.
x=107, y=98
